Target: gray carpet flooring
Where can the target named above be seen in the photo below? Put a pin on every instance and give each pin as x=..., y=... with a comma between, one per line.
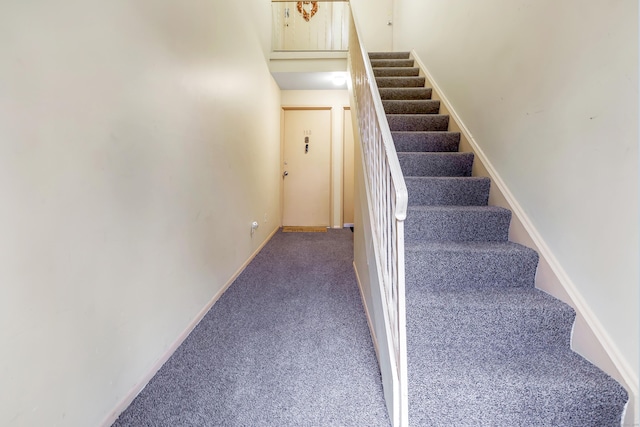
x=286, y=345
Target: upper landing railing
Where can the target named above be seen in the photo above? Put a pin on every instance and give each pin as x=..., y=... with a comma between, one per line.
x=310, y=25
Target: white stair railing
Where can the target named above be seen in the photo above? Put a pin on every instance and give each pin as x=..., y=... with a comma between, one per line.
x=388, y=208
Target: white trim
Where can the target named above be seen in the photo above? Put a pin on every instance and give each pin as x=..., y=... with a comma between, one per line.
x=580, y=304
x=366, y=310
x=348, y=224
x=307, y=54
x=140, y=385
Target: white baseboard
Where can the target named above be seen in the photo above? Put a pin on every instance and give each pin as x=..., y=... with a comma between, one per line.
x=366, y=310
x=140, y=385
x=605, y=342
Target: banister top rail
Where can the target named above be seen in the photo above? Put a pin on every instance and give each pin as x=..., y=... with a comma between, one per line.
x=394, y=164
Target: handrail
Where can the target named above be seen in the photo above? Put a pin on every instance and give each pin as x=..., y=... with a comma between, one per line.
x=388, y=209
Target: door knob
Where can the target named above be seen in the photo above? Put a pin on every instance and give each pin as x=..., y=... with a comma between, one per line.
x=285, y=174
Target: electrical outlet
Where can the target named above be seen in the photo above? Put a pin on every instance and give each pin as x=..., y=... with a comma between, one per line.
x=266, y=218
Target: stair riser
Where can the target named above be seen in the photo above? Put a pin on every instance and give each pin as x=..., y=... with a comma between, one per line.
x=396, y=71
x=411, y=107
x=506, y=329
x=384, y=63
x=405, y=93
x=470, y=269
x=436, y=164
x=457, y=224
x=428, y=191
x=529, y=404
x=418, y=122
x=389, y=55
x=426, y=141
x=400, y=81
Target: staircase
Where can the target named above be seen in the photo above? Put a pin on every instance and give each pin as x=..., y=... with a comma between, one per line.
x=484, y=347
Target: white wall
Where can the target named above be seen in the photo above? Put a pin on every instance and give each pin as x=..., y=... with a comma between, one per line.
x=138, y=140
x=549, y=91
x=337, y=100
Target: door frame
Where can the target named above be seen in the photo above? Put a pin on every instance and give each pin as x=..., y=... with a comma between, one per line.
x=344, y=147
x=331, y=171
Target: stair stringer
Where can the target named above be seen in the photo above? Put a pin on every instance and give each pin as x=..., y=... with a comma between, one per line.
x=588, y=338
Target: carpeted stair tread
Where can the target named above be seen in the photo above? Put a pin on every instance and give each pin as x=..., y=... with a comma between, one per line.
x=439, y=191
x=395, y=71
x=436, y=164
x=400, y=81
x=405, y=93
x=389, y=55
x=492, y=320
x=466, y=265
x=457, y=224
x=419, y=106
x=418, y=122
x=535, y=389
x=385, y=63
x=426, y=141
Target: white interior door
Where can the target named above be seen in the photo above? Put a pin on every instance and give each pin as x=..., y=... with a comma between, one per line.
x=307, y=168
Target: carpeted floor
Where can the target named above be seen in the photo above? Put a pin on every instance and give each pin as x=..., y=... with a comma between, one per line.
x=286, y=345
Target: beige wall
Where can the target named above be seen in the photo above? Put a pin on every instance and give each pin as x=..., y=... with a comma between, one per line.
x=337, y=100
x=549, y=91
x=138, y=141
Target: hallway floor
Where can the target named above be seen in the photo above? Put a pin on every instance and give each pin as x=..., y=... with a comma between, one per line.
x=286, y=345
